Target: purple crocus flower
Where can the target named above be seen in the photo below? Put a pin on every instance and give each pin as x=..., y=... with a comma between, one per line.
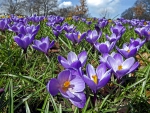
x=97, y=79
x=112, y=38
x=128, y=50
x=146, y=32
x=24, y=40
x=70, y=28
x=70, y=85
x=57, y=30
x=137, y=42
x=73, y=60
x=43, y=45
x=3, y=24
x=102, y=23
x=76, y=37
x=118, y=30
x=105, y=47
x=121, y=67
x=93, y=36
x=88, y=22
x=103, y=58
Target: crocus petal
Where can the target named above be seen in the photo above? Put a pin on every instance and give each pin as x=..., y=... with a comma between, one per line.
x=80, y=104
x=19, y=42
x=44, y=47
x=63, y=76
x=134, y=67
x=118, y=57
x=82, y=57
x=90, y=83
x=104, y=79
x=78, y=83
x=132, y=53
x=113, y=64
x=63, y=62
x=90, y=71
x=128, y=63
x=53, y=86
x=72, y=57
x=103, y=48
x=76, y=65
x=100, y=70
x=51, y=44
x=121, y=73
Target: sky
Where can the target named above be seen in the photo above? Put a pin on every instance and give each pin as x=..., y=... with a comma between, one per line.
x=96, y=7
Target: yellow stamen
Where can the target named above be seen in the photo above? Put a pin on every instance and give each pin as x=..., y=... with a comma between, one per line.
x=149, y=33
x=79, y=36
x=95, y=79
x=67, y=84
x=120, y=67
x=145, y=23
x=128, y=50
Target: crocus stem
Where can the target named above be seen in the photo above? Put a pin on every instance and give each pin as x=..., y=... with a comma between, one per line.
x=47, y=58
x=94, y=99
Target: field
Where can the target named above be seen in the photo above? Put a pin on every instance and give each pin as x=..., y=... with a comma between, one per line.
x=74, y=65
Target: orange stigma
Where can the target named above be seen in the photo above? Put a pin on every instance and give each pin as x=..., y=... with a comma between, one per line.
x=79, y=37
x=95, y=79
x=120, y=67
x=128, y=50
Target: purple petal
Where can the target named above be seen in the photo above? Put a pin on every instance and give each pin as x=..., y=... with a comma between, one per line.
x=134, y=67
x=113, y=64
x=100, y=70
x=53, y=86
x=90, y=83
x=80, y=104
x=78, y=83
x=104, y=79
x=90, y=71
x=72, y=57
x=63, y=76
x=82, y=57
x=119, y=59
x=128, y=63
x=103, y=48
x=63, y=62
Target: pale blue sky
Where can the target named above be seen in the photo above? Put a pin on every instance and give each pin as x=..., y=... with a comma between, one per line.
x=114, y=7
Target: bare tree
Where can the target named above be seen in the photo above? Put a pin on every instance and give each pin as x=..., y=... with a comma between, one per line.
x=48, y=6
x=128, y=13
x=13, y=6
x=105, y=13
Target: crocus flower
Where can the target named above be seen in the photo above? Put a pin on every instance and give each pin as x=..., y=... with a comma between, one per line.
x=73, y=60
x=146, y=32
x=128, y=50
x=43, y=45
x=24, y=40
x=70, y=85
x=112, y=38
x=70, y=28
x=137, y=42
x=57, y=30
x=98, y=78
x=121, y=67
x=3, y=24
x=105, y=47
x=93, y=36
x=102, y=23
x=118, y=30
x=76, y=37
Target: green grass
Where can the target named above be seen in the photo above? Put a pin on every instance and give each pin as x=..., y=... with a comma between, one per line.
x=25, y=76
